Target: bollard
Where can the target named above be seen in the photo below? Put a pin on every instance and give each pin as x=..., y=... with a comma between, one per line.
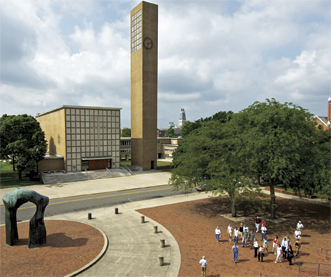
x=89, y=215
x=142, y=219
x=162, y=241
x=116, y=210
x=155, y=229
x=161, y=261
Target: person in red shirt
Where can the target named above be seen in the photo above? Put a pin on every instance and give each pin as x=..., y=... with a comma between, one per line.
x=274, y=244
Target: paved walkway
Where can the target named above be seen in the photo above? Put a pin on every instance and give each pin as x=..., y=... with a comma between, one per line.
x=134, y=248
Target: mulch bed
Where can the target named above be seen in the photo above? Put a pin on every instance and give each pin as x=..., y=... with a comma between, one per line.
x=69, y=246
x=193, y=224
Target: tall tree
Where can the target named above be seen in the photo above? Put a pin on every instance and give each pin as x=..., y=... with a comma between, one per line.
x=211, y=150
x=276, y=139
x=22, y=139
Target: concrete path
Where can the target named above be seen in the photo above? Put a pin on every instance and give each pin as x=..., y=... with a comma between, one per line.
x=134, y=248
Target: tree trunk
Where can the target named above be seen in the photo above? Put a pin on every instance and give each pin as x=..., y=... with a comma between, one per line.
x=233, y=208
x=273, y=198
x=19, y=174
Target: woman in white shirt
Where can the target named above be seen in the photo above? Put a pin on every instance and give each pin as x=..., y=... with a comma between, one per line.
x=279, y=252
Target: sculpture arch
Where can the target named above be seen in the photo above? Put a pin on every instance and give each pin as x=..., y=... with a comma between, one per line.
x=37, y=231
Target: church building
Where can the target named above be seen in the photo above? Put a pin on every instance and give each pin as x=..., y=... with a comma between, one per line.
x=81, y=138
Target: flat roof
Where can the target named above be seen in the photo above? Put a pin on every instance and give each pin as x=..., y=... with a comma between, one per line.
x=78, y=107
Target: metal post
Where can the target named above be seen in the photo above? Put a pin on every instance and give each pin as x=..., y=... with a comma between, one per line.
x=142, y=219
x=155, y=229
x=162, y=241
x=89, y=215
x=116, y=210
x=161, y=259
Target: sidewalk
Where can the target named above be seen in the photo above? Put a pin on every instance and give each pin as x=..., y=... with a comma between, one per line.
x=134, y=248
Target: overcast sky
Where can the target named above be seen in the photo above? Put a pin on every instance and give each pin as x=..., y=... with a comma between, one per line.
x=213, y=55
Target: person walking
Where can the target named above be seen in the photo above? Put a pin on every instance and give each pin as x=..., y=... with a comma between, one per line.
x=235, y=236
x=235, y=251
x=288, y=240
x=279, y=252
x=297, y=247
x=256, y=247
x=265, y=244
x=284, y=247
x=263, y=232
x=203, y=264
x=257, y=224
x=260, y=255
x=244, y=239
x=241, y=230
x=217, y=233
x=297, y=234
x=230, y=230
x=274, y=244
x=251, y=239
x=299, y=225
x=290, y=255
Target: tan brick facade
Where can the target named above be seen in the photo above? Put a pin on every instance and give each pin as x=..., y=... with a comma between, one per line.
x=86, y=137
x=144, y=51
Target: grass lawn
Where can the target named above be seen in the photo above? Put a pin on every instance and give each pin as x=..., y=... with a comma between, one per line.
x=159, y=163
x=9, y=178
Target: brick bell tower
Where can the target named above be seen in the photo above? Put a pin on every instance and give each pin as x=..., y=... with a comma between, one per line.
x=144, y=51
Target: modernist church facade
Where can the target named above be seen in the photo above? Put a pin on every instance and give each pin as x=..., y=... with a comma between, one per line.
x=81, y=138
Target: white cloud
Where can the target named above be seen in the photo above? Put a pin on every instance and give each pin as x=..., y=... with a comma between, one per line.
x=213, y=55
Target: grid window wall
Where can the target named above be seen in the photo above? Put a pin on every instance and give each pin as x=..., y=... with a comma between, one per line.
x=91, y=133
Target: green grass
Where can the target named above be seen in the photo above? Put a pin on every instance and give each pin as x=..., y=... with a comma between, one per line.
x=159, y=163
x=9, y=178
x=124, y=163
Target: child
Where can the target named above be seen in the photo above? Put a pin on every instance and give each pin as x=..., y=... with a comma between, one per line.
x=265, y=244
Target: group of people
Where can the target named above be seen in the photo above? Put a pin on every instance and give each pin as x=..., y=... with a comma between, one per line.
x=283, y=248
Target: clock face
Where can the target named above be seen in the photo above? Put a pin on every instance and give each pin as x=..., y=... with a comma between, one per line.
x=148, y=43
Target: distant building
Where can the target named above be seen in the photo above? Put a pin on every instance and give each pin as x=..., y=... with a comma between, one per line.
x=80, y=138
x=161, y=132
x=182, y=118
x=324, y=121
x=171, y=125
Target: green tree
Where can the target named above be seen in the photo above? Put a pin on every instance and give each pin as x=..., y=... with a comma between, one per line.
x=126, y=132
x=316, y=165
x=189, y=126
x=211, y=150
x=22, y=139
x=276, y=140
x=170, y=133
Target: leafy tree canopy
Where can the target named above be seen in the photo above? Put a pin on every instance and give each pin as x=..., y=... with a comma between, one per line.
x=211, y=150
x=277, y=141
x=189, y=126
x=126, y=132
x=22, y=139
x=170, y=133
